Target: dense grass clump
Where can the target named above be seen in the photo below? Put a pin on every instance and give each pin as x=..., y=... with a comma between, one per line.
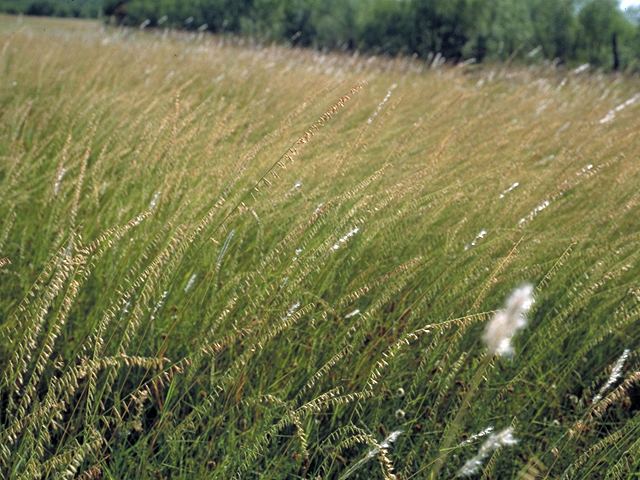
x=223, y=261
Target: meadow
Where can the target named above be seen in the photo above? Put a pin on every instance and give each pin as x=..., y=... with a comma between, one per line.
x=228, y=260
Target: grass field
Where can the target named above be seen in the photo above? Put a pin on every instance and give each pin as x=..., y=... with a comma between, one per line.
x=224, y=261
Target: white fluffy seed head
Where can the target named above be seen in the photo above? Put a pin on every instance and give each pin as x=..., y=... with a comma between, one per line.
x=495, y=441
x=616, y=374
x=506, y=323
x=153, y=204
x=352, y=313
x=386, y=443
x=190, y=283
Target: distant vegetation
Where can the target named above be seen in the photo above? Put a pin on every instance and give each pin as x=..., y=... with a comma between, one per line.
x=566, y=31
x=57, y=8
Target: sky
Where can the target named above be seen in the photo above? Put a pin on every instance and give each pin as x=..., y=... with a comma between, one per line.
x=629, y=3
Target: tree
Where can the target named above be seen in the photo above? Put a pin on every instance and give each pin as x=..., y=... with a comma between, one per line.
x=41, y=7
x=554, y=27
x=386, y=26
x=442, y=26
x=601, y=24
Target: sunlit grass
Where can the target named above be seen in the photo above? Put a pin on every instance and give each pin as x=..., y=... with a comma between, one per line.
x=223, y=260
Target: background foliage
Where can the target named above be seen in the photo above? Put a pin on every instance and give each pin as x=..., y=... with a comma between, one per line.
x=573, y=31
x=58, y=8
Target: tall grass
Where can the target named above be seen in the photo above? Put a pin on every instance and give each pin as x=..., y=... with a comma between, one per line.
x=222, y=260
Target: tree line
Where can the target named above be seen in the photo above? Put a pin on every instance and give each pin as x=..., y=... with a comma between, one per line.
x=57, y=8
x=566, y=31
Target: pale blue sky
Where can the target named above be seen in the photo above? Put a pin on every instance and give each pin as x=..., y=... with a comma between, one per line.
x=629, y=3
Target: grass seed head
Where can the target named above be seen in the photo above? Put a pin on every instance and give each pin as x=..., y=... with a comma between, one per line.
x=506, y=322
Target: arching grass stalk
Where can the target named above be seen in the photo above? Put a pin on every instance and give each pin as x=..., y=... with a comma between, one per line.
x=454, y=427
x=497, y=336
